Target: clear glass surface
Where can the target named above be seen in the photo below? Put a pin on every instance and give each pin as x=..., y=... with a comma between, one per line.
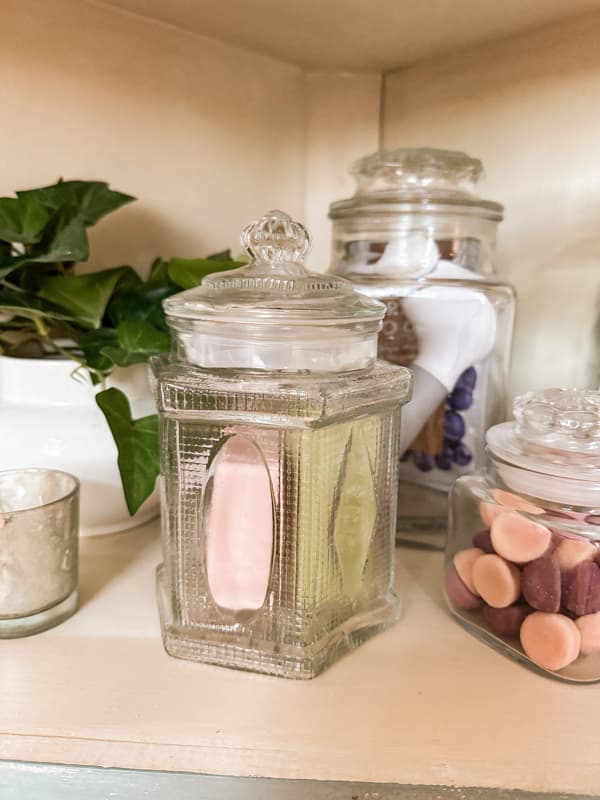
x=279, y=457
x=417, y=237
x=39, y=530
x=279, y=503
x=523, y=550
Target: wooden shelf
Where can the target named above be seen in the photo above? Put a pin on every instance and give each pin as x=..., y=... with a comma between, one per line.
x=329, y=35
x=423, y=703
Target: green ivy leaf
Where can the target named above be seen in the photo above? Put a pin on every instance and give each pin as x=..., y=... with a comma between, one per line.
x=92, y=200
x=64, y=239
x=138, y=446
x=11, y=264
x=22, y=219
x=85, y=296
x=93, y=343
x=158, y=279
x=29, y=306
x=222, y=255
x=137, y=341
x=189, y=272
x=129, y=280
x=125, y=307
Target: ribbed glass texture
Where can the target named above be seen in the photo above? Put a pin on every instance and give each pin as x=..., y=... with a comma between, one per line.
x=279, y=514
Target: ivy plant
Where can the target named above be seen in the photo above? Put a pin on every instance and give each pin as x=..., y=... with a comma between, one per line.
x=99, y=320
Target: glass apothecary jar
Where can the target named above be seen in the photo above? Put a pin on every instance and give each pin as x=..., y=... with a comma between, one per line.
x=523, y=552
x=417, y=237
x=279, y=448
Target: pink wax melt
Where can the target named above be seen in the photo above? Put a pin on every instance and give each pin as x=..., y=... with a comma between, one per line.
x=550, y=640
x=589, y=628
x=463, y=564
x=457, y=592
x=571, y=552
x=519, y=539
x=497, y=581
x=506, y=501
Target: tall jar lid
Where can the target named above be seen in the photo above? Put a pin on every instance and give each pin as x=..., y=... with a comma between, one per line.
x=554, y=442
x=416, y=179
x=273, y=313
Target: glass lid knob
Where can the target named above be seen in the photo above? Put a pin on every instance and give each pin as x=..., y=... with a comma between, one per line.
x=276, y=237
x=561, y=419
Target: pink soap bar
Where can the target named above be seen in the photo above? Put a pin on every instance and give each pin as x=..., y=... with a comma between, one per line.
x=463, y=563
x=550, y=640
x=457, y=592
x=506, y=621
x=489, y=511
x=541, y=584
x=496, y=581
x=583, y=589
x=513, y=501
x=483, y=541
x=519, y=539
x=571, y=552
x=505, y=501
x=239, y=527
x=589, y=628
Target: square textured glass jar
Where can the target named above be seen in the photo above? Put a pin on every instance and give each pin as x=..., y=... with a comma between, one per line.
x=279, y=479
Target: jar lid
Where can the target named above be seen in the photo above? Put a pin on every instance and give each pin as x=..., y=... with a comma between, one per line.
x=416, y=179
x=271, y=313
x=555, y=437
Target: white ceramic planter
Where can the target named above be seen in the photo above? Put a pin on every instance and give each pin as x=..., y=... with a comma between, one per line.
x=48, y=418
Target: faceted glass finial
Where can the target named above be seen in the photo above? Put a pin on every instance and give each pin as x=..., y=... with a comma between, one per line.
x=561, y=419
x=419, y=167
x=388, y=181
x=276, y=237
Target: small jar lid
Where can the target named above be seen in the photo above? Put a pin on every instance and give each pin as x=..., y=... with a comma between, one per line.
x=413, y=180
x=273, y=313
x=554, y=441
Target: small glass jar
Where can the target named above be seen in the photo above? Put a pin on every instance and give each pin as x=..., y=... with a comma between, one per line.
x=523, y=552
x=279, y=448
x=417, y=237
x=39, y=532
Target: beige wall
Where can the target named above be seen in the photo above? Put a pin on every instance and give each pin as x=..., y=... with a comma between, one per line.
x=342, y=124
x=204, y=134
x=207, y=136
x=529, y=107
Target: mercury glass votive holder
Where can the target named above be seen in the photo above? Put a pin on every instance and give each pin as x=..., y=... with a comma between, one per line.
x=39, y=530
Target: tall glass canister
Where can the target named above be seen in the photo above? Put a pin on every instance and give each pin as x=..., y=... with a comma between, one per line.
x=417, y=237
x=279, y=448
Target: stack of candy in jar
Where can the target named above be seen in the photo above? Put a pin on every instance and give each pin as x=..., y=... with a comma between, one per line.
x=524, y=543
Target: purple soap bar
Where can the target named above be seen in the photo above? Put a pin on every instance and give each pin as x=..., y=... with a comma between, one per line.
x=541, y=584
x=457, y=592
x=483, y=540
x=506, y=621
x=583, y=589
